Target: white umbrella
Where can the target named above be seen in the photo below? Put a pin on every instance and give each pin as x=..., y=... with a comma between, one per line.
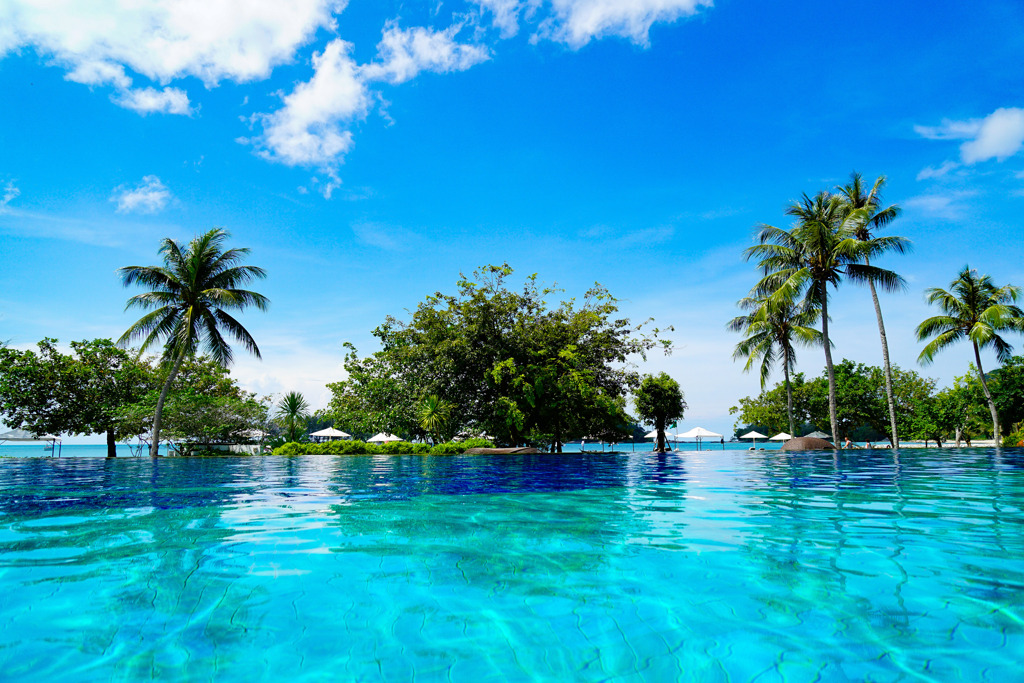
x=331, y=433
x=699, y=433
x=754, y=435
x=781, y=436
x=652, y=435
x=383, y=437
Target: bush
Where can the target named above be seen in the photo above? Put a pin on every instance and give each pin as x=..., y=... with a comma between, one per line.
x=449, y=448
x=1015, y=439
x=292, y=448
x=476, y=442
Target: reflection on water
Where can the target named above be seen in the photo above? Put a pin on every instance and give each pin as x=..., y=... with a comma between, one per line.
x=711, y=566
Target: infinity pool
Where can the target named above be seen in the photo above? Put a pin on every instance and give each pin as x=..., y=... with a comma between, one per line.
x=716, y=566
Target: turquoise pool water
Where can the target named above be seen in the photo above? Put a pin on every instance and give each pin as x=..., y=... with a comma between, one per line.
x=727, y=566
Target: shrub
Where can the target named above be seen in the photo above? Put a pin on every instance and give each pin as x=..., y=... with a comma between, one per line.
x=477, y=442
x=292, y=448
x=1015, y=439
x=449, y=448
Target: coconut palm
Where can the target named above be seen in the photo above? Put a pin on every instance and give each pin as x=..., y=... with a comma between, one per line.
x=820, y=250
x=191, y=294
x=292, y=412
x=854, y=197
x=974, y=309
x=771, y=330
x=435, y=416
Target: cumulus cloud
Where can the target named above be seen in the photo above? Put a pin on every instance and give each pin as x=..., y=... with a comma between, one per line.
x=149, y=196
x=308, y=130
x=403, y=53
x=999, y=136
x=505, y=13
x=577, y=22
x=163, y=40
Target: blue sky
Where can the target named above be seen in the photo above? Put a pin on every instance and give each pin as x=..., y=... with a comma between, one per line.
x=368, y=153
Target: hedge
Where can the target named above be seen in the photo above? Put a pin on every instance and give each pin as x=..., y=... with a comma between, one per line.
x=390, y=448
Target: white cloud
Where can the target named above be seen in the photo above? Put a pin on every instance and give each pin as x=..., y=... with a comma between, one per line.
x=937, y=172
x=950, y=130
x=149, y=196
x=505, y=14
x=577, y=22
x=403, y=54
x=308, y=130
x=1000, y=136
x=11, y=193
x=213, y=40
x=153, y=101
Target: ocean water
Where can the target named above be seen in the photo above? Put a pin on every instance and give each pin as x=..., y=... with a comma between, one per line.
x=713, y=566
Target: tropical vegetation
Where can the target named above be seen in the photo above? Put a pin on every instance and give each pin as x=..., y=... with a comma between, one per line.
x=659, y=400
x=191, y=295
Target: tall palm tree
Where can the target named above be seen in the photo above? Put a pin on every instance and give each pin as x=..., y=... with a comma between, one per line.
x=771, y=330
x=974, y=309
x=854, y=197
x=291, y=412
x=820, y=250
x=191, y=294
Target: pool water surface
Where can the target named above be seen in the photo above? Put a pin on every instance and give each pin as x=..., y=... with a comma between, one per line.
x=711, y=566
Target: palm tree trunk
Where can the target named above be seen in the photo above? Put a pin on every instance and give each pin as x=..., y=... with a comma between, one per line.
x=789, y=399
x=894, y=437
x=828, y=362
x=154, y=446
x=988, y=397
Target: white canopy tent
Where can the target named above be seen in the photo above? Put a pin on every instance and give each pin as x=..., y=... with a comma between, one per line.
x=22, y=435
x=781, y=436
x=383, y=437
x=330, y=434
x=755, y=436
x=699, y=433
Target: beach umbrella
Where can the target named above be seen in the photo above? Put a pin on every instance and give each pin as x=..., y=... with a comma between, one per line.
x=331, y=433
x=754, y=435
x=781, y=436
x=818, y=435
x=699, y=433
x=383, y=437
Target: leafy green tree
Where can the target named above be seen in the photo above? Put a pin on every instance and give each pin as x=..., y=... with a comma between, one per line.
x=659, y=400
x=977, y=310
x=292, y=413
x=771, y=329
x=512, y=365
x=856, y=197
x=78, y=393
x=769, y=410
x=191, y=295
x=204, y=406
x=1007, y=386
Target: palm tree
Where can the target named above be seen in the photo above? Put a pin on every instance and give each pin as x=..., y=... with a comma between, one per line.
x=820, y=250
x=771, y=329
x=855, y=197
x=435, y=415
x=975, y=309
x=292, y=413
x=192, y=293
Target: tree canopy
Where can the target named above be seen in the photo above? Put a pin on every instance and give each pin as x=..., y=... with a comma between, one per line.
x=507, y=362
x=659, y=400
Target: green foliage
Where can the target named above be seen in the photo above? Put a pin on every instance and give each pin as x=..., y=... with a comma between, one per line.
x=1014, y=439
x=292, y=415
x=189, y=299
x=78, y=393
x=506, y=362
x=476, y=442
x=435, y=417
x=449, y=448
x=290, y=448
x=659, y=400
